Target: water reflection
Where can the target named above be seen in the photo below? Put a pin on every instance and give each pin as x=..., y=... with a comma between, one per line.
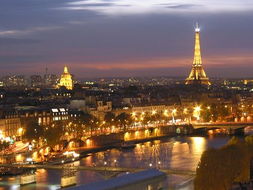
x=178, y=153
x=198, y=145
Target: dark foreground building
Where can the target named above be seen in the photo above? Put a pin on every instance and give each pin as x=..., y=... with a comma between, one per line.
x=145, y=180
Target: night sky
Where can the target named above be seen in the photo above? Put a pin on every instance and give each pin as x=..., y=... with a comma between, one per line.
x=104, y=38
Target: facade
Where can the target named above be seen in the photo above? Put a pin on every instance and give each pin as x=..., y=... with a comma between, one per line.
x=10, y=124
x=12, y=121
x=150, y=109
x=44, y=116
x=197, y=74
x=101, y=109
x=66, y=79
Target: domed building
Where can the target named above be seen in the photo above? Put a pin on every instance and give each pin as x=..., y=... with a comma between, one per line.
x=66, y=79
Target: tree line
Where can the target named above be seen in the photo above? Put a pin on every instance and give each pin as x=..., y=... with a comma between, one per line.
x=76, y=127
x=220, y=168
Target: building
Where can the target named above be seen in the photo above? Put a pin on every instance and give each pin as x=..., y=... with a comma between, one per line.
x=14, y=81
x=66, y=79
x=100, y=109
x=50, y=80
x=43, y=115
x=157, y=109
x=10, y=123
x=197, y=74
x=36, y=81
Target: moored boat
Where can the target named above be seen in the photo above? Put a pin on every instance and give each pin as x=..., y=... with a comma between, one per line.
x=127, y=145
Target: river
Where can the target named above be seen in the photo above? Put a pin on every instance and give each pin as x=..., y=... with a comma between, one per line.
x=182, y=153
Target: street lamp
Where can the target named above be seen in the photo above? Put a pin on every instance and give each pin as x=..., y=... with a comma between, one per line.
x=20, y=132
x=1, y=134
x=174, y=111
x=165, y=113
x=159, y=164
x=153, y=112
x=196, y=112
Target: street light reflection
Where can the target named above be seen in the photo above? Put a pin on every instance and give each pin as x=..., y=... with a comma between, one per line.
x=198, y=144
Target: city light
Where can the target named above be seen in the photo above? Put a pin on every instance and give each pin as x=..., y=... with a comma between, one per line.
x=174, y=111
x=20, y=131
x=107, y=118
x=197, y=108
x=196, y=112
x=154, y=112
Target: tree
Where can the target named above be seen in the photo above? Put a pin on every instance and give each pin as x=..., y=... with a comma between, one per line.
x=249, y=140
x=146, y=119
x=4, y=145
x=214, y=112
x=223, y=111
x=206, y=177
x=53, y=133
x=234, y=141
x=33, y=131
x=109, y=119
x=75, y=127
x=206, y=115
x=90, y=121
x=124, y=120
x=219, y=168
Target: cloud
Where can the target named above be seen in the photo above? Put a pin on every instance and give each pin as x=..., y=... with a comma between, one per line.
x=22, y=32
x=152, y=35
x=116, y=7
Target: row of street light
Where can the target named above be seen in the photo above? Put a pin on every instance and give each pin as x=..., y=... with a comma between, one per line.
x=172, y=113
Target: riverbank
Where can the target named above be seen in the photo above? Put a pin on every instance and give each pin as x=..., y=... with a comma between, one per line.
x=86, y=151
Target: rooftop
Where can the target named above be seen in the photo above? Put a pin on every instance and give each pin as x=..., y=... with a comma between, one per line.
x=121, y=181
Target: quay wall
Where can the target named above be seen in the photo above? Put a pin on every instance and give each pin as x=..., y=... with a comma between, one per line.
x=143, y=134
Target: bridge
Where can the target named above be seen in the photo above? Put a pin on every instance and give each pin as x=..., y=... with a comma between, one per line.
x=233, y=125
x=233, y=128
x=96, y=168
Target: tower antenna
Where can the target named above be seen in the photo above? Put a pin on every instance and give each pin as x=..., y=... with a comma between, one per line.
x=197, y=29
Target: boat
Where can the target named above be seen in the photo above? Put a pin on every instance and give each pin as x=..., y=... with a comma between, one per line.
x=127, y=145
x=64, y=158
x=26, y=179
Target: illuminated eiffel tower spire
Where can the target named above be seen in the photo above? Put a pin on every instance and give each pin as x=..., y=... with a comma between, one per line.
x=197, y=74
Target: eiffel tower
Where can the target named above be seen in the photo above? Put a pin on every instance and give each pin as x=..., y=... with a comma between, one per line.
x=197, y=74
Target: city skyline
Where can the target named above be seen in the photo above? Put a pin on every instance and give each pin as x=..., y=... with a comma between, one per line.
x=95, y=39
x=120, y=94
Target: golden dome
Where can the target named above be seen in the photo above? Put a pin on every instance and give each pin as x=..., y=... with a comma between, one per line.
x=66, y=79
